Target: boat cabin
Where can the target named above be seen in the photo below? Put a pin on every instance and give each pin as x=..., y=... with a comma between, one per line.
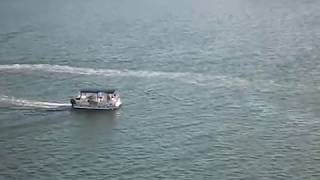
x=97, y=95
x=96, y=99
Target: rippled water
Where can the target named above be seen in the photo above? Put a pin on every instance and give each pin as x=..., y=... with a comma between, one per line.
x=211, y=89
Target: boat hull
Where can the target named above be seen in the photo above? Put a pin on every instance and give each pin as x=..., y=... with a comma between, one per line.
x=76, y=105
x=95, y=108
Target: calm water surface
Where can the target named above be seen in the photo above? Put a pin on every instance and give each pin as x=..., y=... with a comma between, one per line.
x=211, y=89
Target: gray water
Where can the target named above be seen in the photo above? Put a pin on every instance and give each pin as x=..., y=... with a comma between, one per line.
x=211, y=89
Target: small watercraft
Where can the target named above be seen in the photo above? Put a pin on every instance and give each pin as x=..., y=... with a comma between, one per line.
x=98, y=99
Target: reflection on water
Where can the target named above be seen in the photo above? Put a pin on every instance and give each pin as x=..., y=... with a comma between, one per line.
x=93, y=124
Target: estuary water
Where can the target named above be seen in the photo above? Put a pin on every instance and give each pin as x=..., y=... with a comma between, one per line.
x=211, y=89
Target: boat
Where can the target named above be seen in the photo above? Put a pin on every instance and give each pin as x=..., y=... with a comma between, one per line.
x=97, y=99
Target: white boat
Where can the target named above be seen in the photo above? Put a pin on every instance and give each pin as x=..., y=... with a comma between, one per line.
x=99, y=99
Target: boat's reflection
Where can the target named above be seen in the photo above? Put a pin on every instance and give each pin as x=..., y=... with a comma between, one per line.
x=92, y=124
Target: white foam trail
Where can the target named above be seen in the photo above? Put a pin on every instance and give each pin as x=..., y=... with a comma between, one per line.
x=85, y=71
x=12, y=101
x=193, y=78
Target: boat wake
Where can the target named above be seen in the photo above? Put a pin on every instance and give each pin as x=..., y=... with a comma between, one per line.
x=12, y=102
x=187, y=77
x=85, y=71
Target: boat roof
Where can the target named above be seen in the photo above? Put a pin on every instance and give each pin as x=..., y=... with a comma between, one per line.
x=108, y=91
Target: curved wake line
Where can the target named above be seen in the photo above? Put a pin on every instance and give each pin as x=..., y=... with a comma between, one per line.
x=193, y=78
x=85, y=71
x=15, y=102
